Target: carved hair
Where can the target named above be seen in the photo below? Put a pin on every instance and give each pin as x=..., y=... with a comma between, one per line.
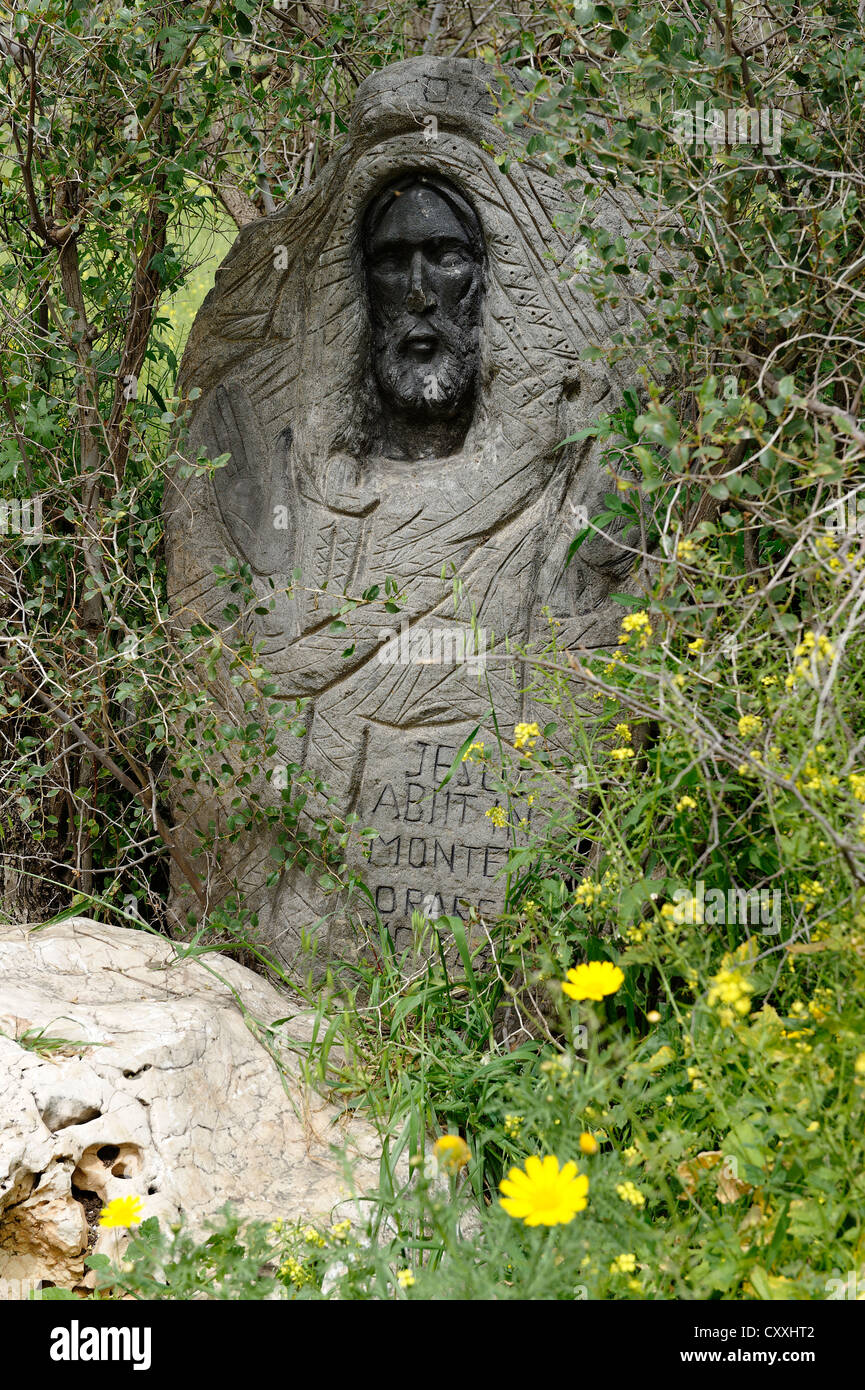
x=457, y=202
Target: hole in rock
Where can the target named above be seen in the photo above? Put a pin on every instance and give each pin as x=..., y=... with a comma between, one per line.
x=131, y=1073
x=152, y=1191
x=128, y=1162
x=60, y=1113
x=122, y=1160
x=90, y=1201
x=92, y=1205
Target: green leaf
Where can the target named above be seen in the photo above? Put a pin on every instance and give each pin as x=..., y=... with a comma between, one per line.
x=465, y=745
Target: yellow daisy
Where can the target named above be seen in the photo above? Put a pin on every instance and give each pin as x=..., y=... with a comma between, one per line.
x=544, y=1195
x=593, y=980
x=123, y=1211
x=452, y=1152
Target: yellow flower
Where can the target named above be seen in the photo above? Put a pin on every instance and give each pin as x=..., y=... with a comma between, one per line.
x=810, y=889
x=588, y=1143
x=593, y=980
x=340, y=1231
x=526, y=734
x=473, y=748
x=750, y=724
x=513, y=1125
x=294, y=1270
x=452, y=1152
x=585, y=892
x=123, y=1211
x=731, y=989
x=544, y=1195
x=799, y=670
x=688, y=911
x=859, y=1064
x=660, y=1059
x=813, y=645
x=686, y=803
x=624, y=1264
x=653, y=1016
x=497, y=815
x=623, y=733
x=818, y=643
x=686, y=550
x=857, y=785
x=405, y=1279
x=620, y=754
x=630, y=1193
x=697, y=645
x=637, y=624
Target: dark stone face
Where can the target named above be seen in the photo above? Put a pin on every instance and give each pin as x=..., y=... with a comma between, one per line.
x=424, y=270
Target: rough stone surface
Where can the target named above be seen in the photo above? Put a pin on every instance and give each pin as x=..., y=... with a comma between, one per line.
x=349, y=473
x=162, y=1090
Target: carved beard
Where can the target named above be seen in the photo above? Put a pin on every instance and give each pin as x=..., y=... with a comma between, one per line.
x=436, y=387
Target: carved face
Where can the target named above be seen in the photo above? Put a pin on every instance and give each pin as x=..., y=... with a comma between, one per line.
x=425, y=282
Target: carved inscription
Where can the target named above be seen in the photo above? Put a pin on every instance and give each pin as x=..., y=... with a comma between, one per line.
x=436, y=847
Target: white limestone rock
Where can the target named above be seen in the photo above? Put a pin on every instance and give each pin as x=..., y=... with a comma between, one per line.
x=162, y=1089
